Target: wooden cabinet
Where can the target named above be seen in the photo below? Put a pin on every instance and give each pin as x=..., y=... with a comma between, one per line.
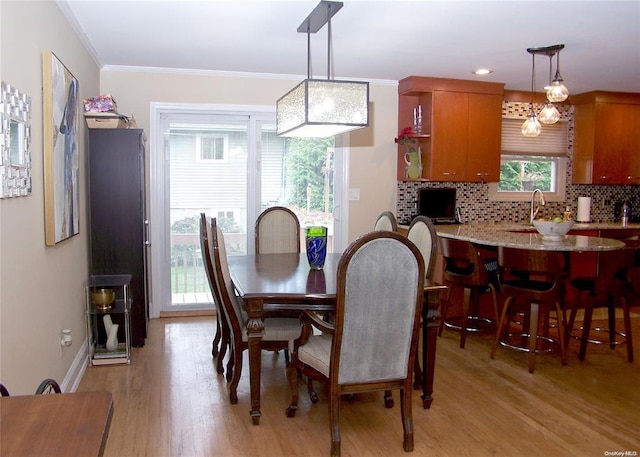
x=461, y=128
x=118, y=226
x=607, y=138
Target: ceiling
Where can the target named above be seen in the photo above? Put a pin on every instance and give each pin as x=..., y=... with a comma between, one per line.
x=384, y=40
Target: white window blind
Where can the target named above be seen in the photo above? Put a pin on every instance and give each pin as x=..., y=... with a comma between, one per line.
x=552, y=142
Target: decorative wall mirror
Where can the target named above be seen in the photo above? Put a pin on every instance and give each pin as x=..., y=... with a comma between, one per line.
x=15, y=142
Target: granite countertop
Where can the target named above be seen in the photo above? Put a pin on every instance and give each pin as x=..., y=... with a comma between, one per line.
x=524, y=236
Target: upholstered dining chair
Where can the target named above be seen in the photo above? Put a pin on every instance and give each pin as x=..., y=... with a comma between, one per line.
x=371, y=345
x=423, y=234
x=221, y=339
x=277, y=231
x=279, y=332
x=48, y=386
x=3, y=391
x=531, y=281
x=386, y=221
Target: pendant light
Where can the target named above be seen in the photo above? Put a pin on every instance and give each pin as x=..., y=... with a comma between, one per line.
x=549, y=114
x=531, y=127
x=317, y=107
x=558, y=92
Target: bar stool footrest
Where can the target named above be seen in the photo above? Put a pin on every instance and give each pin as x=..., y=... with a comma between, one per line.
x=474, y=324
x=548, y=344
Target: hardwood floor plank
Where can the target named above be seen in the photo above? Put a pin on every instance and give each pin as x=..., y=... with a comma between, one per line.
x=171, y=402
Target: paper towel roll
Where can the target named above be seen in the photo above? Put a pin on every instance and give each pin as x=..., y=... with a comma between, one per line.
x=584, y=209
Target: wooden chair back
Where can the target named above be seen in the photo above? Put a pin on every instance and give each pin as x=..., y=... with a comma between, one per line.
x=277, y=231
x=463, y=263
x=386, y=221
x=531, y=274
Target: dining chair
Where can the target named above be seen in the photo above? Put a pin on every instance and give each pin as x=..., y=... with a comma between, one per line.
x=3, y=391
x=221, y=339
x=48, y=386
x=465, y=268
x=279, y=332
x=609, y=288
x=422, y=233
x=277, y=230
x=386, y=221
x=532, y=282
x=371, y=344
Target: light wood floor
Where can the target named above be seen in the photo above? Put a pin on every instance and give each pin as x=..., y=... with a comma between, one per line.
x=171, y=402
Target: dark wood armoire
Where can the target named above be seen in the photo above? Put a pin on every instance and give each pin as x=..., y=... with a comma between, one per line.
x=118, y=225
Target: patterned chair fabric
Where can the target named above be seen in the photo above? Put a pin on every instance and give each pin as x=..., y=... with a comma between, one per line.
x=373, y=341
x=277, y=231
x=386, y=221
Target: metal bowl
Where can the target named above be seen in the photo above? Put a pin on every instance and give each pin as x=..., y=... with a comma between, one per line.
x=103, y=298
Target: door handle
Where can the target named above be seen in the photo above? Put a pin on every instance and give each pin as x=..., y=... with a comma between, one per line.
x=147, y=232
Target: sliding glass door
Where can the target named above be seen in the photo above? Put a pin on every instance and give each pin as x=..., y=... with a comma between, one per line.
x=230, y=165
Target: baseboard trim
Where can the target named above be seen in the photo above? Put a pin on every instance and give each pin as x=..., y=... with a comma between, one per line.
x=72, y=380
x=188, y=313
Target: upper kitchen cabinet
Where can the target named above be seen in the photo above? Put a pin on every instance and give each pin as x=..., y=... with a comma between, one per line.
x=461, y=128
x=607, y=138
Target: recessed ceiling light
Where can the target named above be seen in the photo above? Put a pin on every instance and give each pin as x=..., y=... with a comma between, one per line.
x=482, y=71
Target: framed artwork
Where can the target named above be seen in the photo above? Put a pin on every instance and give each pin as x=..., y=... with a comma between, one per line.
x=60, y=133
x=15, y=142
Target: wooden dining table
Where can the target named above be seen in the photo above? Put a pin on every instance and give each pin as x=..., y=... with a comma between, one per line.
x=268, y=282
x=73, y=424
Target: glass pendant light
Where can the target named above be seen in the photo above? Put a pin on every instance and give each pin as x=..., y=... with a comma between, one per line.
x=549, y=114
x=558, y=92
x=531, y=127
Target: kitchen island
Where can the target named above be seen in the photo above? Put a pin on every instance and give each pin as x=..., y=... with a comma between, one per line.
x=524, y=236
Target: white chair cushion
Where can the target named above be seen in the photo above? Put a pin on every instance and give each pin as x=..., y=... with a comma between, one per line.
x=316, y=353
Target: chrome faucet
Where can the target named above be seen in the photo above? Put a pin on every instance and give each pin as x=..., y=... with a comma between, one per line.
x=541, y=202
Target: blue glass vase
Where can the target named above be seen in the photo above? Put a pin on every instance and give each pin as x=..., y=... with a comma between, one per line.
x=316, y=246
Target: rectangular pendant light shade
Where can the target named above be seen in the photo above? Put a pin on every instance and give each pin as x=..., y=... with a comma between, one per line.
x=322, y=108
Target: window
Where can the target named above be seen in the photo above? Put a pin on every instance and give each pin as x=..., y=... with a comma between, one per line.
x=211, y=147
x=530, y=163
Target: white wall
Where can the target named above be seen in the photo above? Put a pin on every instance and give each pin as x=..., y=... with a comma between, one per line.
x=41, y=287
x=373, y=151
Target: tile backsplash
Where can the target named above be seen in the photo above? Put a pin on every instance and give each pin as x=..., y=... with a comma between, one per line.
x=475, y=206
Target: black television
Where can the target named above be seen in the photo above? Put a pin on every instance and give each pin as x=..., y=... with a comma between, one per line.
x=438, y=204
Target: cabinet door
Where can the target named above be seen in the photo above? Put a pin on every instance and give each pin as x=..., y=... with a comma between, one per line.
x=449, y=136
x=117, y=215
x=485, y=138
x=610, y=142
x=631, y=146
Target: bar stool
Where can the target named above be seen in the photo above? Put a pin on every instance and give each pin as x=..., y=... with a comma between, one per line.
x=531, y=281
x=607, y=289
x=464, y=267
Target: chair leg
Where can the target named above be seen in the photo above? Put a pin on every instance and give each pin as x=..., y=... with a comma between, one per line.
x=292, y=378
x=216, y=340
x=237, y=371
x=407, y=418
x=334, y=420
x=533, y=334
x=611, y=314
x=505, y=309
x=561, y=333
x=388, y=399
x=445, y=307
x=586, y=327
x=230, y=364
x=312, y=392
x=627, y=329
x=224, y=344
x=466, y=299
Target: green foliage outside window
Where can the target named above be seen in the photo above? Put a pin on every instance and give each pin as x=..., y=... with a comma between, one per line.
x=306, y=165
x=525, y=176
